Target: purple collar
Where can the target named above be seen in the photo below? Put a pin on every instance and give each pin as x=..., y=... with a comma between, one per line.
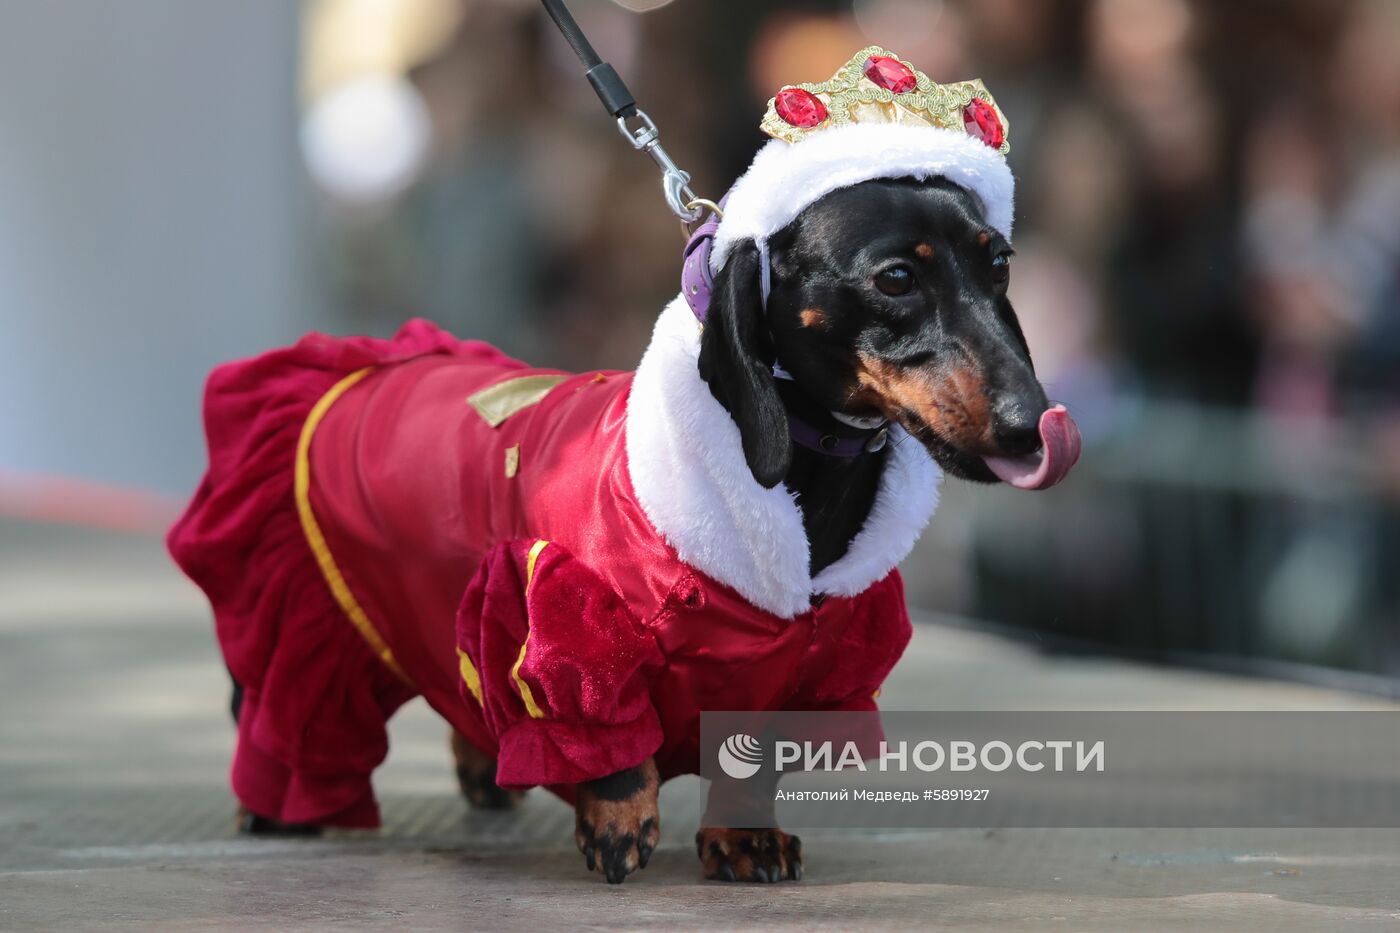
x=697, y=285
x=813, y=438
x=697, y=282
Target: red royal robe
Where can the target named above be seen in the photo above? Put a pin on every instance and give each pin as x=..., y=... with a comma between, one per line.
x=428, y=516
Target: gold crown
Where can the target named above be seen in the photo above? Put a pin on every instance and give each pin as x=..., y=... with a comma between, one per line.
x=878, y=87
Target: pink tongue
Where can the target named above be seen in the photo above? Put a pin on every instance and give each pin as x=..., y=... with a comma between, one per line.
x=1059, y=437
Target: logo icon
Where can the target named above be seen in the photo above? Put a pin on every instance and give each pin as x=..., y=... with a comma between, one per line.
x=740, y=756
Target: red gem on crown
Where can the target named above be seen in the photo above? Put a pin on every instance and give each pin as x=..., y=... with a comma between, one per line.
x=980, y=120
x=891, y=74
x=801, y=108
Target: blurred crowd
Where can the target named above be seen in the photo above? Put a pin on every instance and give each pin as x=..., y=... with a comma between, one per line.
x=1210, y=192
x=1208, y=218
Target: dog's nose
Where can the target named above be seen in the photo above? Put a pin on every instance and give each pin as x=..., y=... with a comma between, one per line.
x=1016, y=428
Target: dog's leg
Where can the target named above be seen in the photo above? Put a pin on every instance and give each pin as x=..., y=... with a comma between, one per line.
x=764, y=854
x=235, y=700
x=617, y=822
x=476, y=775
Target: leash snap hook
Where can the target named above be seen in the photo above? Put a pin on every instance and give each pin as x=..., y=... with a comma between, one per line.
x=675, y=183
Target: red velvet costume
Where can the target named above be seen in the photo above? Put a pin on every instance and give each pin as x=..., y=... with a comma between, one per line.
x=366, y=533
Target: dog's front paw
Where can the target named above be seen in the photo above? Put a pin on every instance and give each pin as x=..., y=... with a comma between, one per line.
x=617, y=823
x=762, y=855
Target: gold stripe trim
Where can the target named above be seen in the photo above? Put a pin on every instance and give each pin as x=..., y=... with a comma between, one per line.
x=498, y=402
x=317, y=540
x=469, y=674
x=531, y=706
x=535, y=550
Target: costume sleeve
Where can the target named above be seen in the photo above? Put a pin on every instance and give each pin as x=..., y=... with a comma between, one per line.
x=857, y=656
x=559, y=666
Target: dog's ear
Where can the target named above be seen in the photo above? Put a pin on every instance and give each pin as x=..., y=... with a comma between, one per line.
x=736, y=359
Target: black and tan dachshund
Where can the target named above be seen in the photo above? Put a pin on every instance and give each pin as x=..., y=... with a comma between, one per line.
x=888, y=301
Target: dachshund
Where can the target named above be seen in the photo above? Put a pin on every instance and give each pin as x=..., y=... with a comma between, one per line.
x=885, y=303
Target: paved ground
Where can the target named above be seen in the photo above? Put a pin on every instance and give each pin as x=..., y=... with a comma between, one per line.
x=113, y=812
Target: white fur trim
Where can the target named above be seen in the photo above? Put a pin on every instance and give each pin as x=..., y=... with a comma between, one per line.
x=785, y=177
x=688, y=470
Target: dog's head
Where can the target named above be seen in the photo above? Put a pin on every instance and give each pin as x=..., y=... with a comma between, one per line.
x=888, y=299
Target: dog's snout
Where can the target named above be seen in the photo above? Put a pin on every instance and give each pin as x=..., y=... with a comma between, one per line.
x=1016, y=427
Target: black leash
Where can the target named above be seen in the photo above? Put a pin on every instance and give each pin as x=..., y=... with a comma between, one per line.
x=632, y=122
x=608, y=84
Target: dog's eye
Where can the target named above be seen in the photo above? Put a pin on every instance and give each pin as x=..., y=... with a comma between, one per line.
x=1001, y=267
x=896, y=280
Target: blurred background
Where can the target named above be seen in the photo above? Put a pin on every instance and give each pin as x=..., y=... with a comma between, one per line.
x=1208, y=261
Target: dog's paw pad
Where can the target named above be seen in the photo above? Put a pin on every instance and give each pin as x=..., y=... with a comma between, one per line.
x=758, y=855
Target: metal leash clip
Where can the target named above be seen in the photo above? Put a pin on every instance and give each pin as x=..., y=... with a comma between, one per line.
x=675, y=182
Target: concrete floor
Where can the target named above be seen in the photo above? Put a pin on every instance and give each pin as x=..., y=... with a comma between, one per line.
x=114, y=814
